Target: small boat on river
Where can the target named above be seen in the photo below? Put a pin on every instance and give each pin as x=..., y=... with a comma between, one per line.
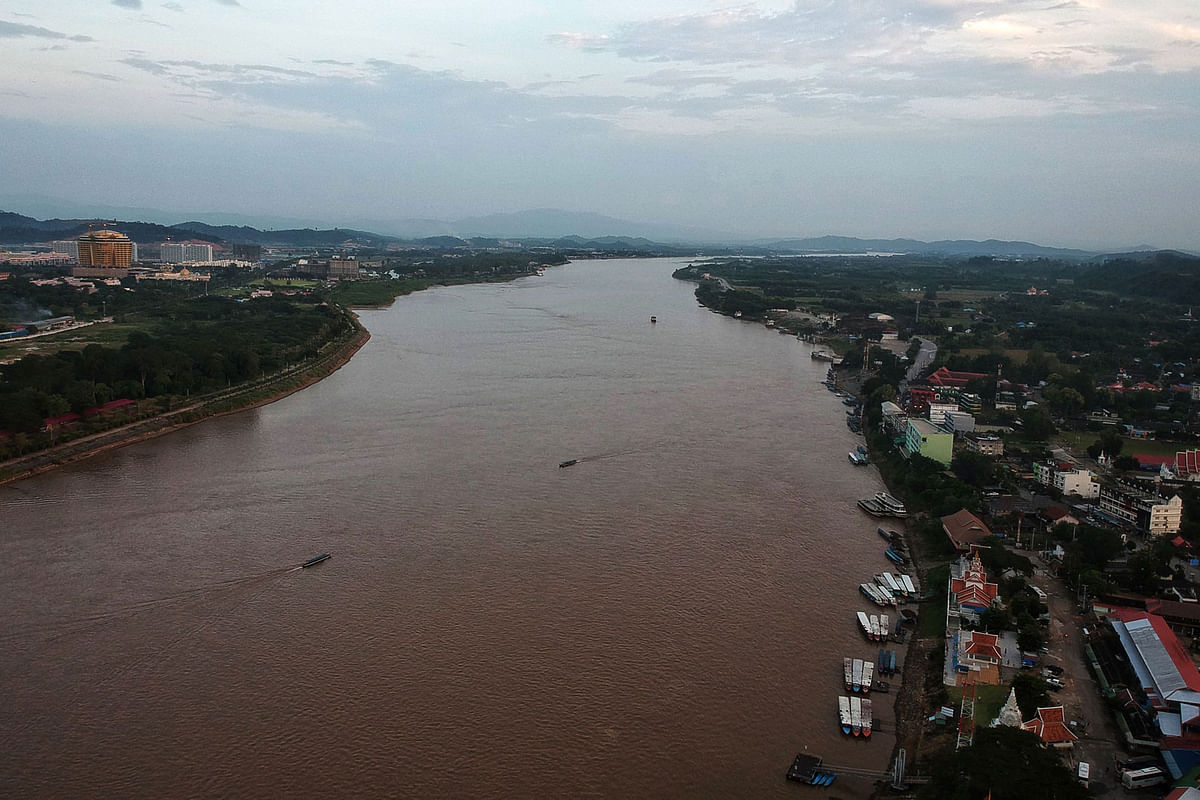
x=570, y=463
x=893, y=556
x=312, y=562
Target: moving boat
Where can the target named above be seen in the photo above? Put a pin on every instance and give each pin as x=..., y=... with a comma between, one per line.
x=572, y=462
x=312, y=562
x=653, y=320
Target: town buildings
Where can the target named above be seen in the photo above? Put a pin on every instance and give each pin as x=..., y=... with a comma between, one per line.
x=924, y=438
x=1067, y=479
x=1127, y=504
x=181, y=252
x=965, y=530
x=984, y=444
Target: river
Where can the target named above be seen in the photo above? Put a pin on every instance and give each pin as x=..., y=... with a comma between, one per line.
x=666, y=618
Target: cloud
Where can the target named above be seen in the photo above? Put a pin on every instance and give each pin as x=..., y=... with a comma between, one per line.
x=104, y=76
x=15, y=30
x=134, y=4
x=229, y=2
x=581, y=41
x=173, y=7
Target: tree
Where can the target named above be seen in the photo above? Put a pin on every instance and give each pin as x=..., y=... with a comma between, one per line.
x=995, y=619
x=1030, y=639
x=974, y=468
x=1036, y=423
x=1032, y=694
x=1003, y=763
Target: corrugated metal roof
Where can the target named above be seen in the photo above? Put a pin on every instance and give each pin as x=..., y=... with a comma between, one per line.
x=1162, y=668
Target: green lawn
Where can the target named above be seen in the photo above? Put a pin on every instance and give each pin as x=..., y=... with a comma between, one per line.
x=107, y=334
x=1078, y=442
x=988, y=701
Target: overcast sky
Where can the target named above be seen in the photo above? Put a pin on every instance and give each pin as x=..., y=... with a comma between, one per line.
x=1069, y=123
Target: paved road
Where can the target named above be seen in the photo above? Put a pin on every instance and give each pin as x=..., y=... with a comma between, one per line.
x=924, y=358
x=1100, y=742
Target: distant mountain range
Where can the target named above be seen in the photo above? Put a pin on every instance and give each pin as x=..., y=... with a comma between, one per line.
x=537, y=227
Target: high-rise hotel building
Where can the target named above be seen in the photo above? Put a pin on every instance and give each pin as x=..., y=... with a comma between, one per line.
x=105, y=248
x=105, y=253
x=179, y=252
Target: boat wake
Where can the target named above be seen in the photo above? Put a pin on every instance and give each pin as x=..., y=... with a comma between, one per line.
x=212, y=593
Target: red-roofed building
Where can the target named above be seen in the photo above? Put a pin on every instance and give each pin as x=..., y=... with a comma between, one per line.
x=112, y=407
x=1163, y=667
x=1187, y=465
x=1050, y=725
x=61, y=421
x=944, y=377
x=965, y=530
x=982, y=647
x=970, y=593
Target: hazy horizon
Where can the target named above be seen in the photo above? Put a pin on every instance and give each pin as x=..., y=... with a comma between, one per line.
x=1069, y=124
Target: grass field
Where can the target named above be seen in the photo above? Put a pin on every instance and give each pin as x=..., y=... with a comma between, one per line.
x=107, y=334
x=1078, y=442
x=988, y=701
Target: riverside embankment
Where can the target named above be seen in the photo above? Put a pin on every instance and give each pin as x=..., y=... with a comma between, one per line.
x=251, y=394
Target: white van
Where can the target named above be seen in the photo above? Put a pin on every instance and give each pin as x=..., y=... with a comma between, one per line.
x=1038, y=592
x=1137, y=778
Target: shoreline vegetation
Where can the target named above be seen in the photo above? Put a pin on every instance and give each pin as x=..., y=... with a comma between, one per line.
x=365, y=295
x=238, y=398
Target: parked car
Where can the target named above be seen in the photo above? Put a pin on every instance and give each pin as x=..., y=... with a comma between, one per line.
x=1054, y=669
x=1055, y=683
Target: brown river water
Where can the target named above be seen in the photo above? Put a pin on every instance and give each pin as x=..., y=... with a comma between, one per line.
x=666, y=618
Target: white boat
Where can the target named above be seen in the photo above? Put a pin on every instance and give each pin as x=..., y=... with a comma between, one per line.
x=876, y=596
x=897, y=584
x=893, y=506
x=867, y=673
x=889, y=584
x=874, y=627
x=858, y=675
x=856, y=715
x=848, y=670
x=844, y=716
x=865, y=719
x=908, y=584
x=865, y=623
x=883, y=626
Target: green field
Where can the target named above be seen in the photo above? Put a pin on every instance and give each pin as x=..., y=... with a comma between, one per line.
x=1078, y=443
x=107, y=334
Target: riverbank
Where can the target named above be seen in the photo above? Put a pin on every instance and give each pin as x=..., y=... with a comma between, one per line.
x=232, y=401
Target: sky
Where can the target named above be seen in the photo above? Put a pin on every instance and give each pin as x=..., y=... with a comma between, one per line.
x=1066, y=123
